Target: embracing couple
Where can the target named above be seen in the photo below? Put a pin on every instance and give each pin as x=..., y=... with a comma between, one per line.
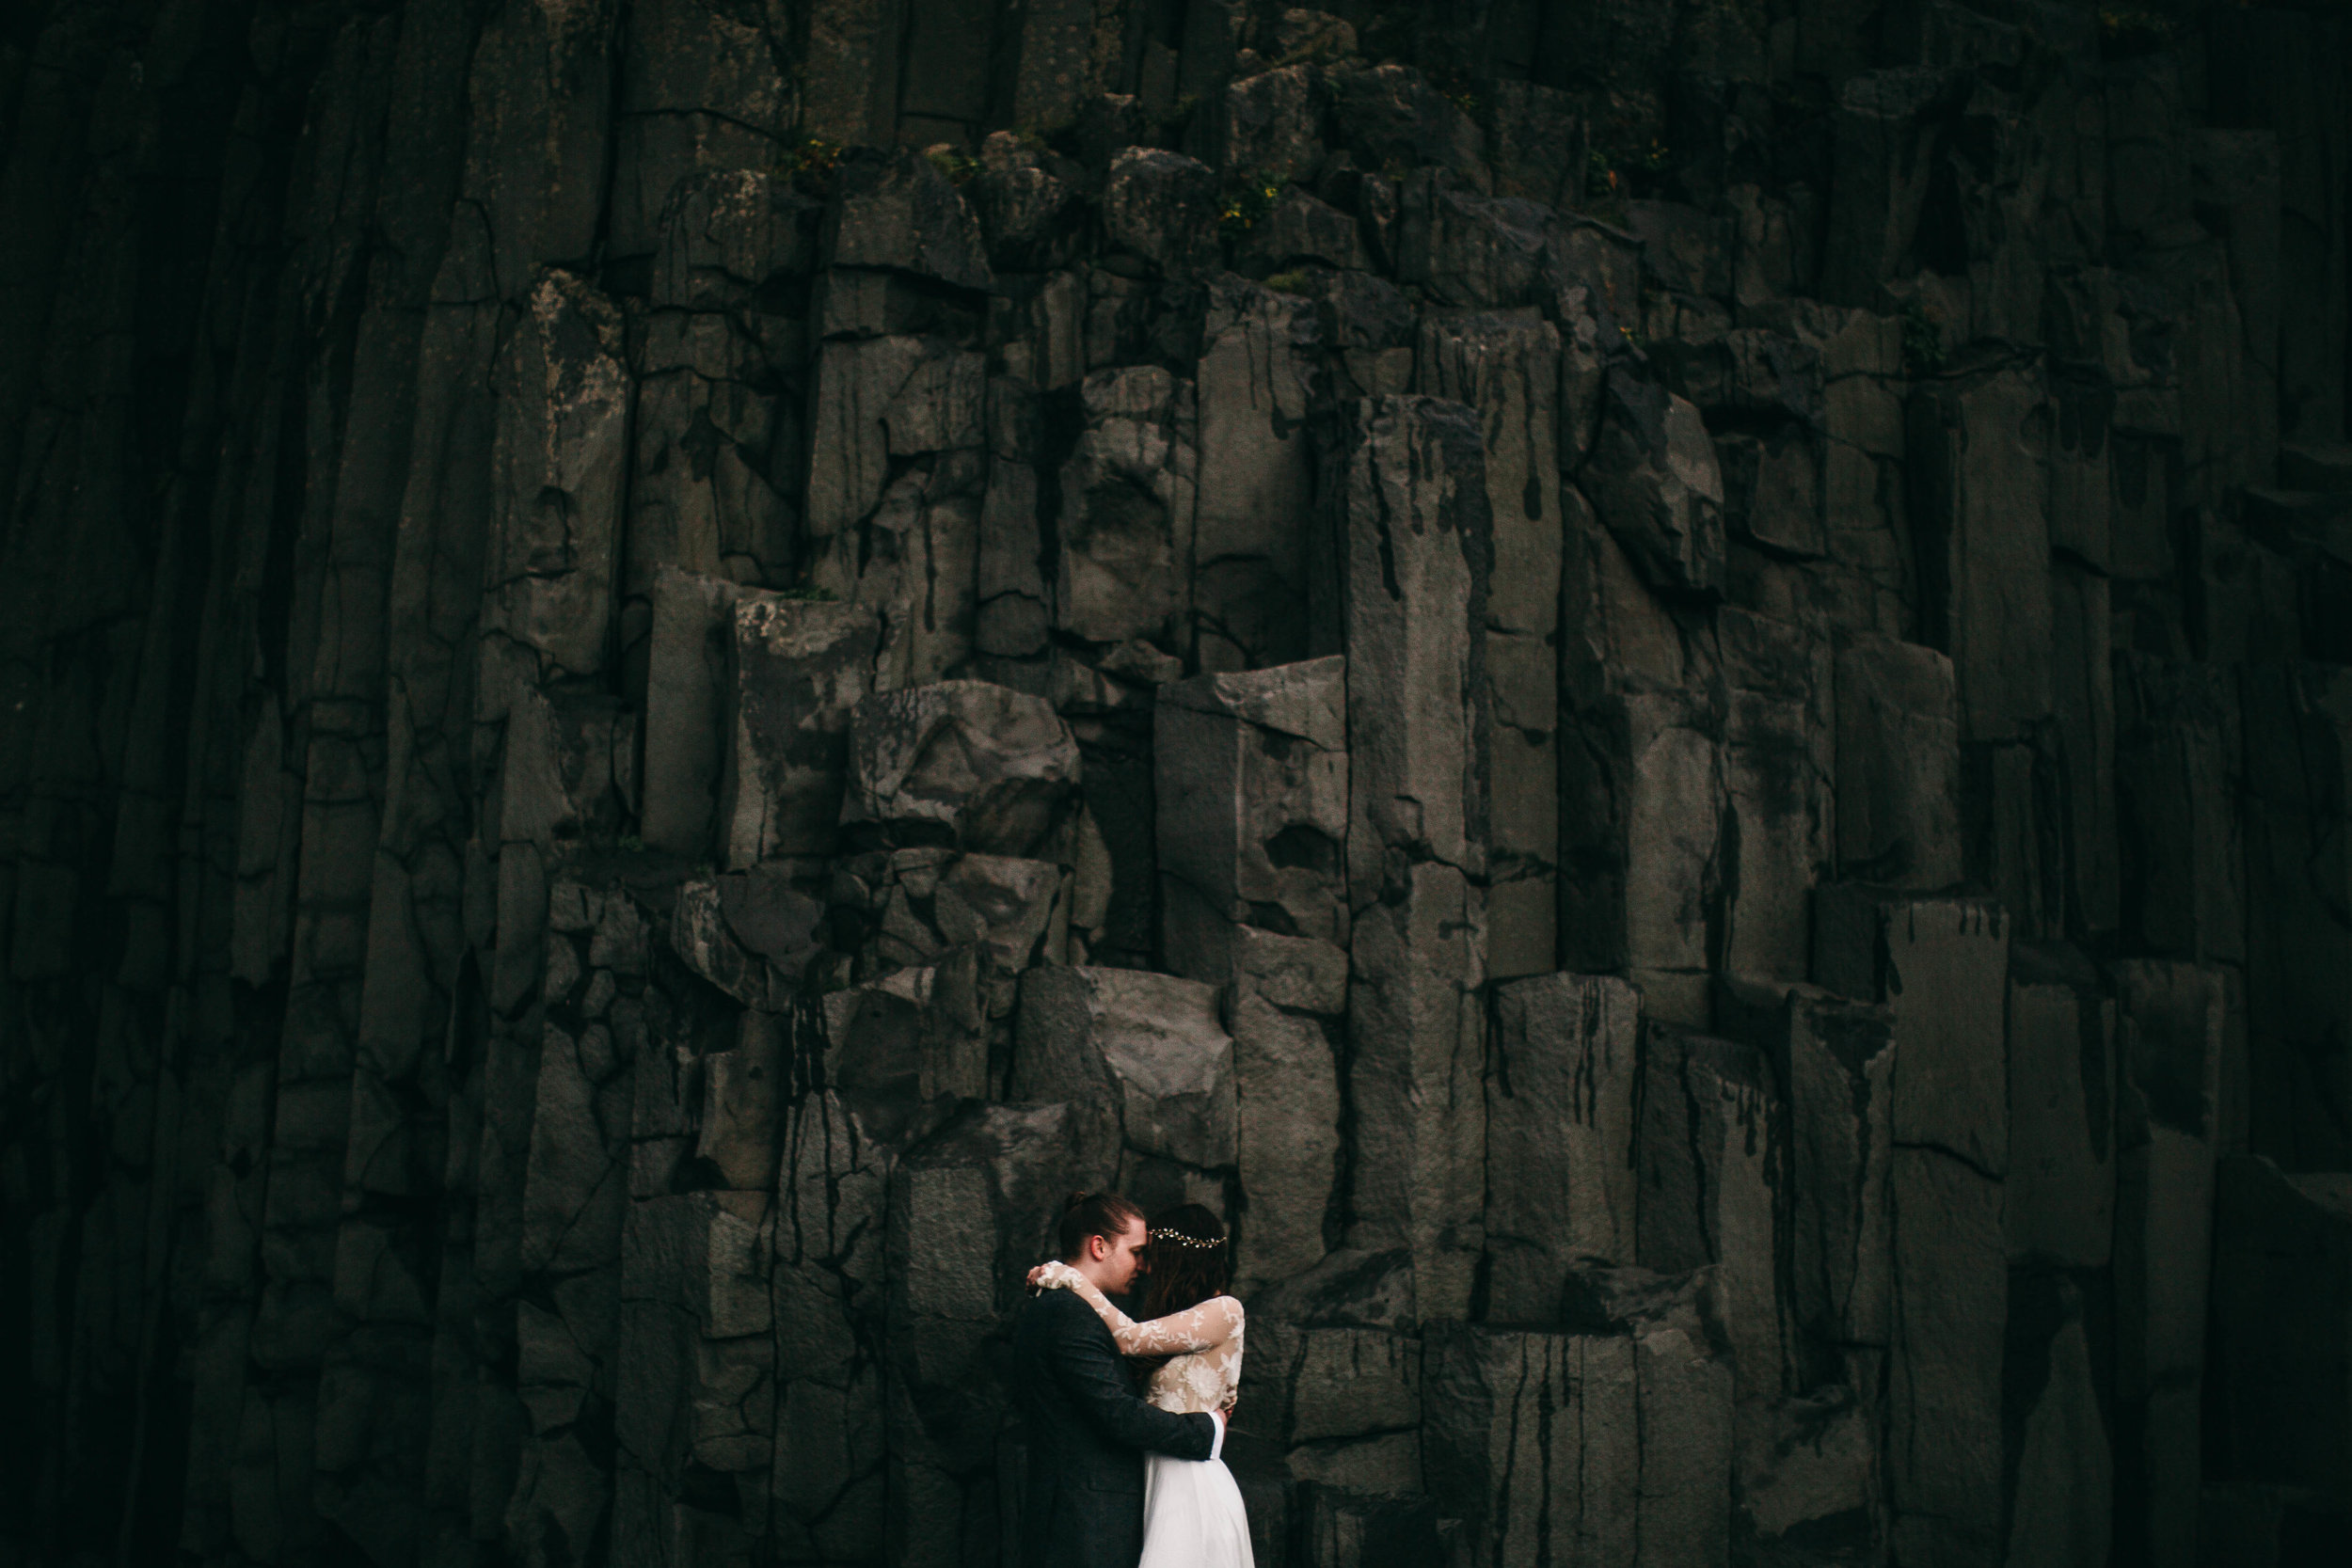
x=1117, y=1481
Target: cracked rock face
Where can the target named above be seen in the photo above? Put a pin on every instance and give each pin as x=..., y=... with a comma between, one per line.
x=1662, y=691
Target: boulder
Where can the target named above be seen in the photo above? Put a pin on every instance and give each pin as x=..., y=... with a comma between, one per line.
x=1146, y=1066
x=895, y=208
x=915, y=1034
x=978, y=766
x=1654, y=481
x=1162, y=207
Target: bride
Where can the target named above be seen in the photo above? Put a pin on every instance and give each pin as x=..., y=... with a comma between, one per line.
x=1192, y=1510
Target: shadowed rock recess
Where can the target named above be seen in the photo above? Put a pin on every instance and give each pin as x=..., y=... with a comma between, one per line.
x=1665, y=687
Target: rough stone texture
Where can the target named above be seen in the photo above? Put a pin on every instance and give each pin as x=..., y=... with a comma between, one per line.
x=1941, y=967
x=1898, y=785
x=795, y=671
x=1562, y=1085
x=1253, y=796
x=1508, y=370
x=1892, y=458
x=1413, y=578
x=1712, y=1154
x=1613, y=1442
x=991, y=769
x=1147, y=1071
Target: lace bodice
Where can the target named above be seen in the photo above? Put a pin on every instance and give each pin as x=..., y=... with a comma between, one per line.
x=1205, y=1342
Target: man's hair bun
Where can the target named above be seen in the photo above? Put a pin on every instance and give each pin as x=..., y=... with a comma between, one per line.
x=1087, y=1214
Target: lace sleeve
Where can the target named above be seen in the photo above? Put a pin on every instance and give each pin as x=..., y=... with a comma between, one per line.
x=1196, y=1328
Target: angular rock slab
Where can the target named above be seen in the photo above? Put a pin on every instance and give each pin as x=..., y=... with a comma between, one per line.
x=1509, y=370
x=917, y=905
x=1836, y=1059
x=558, y=461
x=1285, y=1007
x=686, y=707
x=1807, y=1480
x=1257, y=381
x=1941, y=967
x=828, y=1289
x=1143, y=1061
x=895, y=208
x=1612, y=1447
x=2062, y=1123
x=1653, y=478
x=1252, y=793
x=1711, y=1161
x=2063, y=1509
x=1643, y=796
x=982, y=767
x=971, y=1210
x=1161, y=206
x=912, y=1035
x=1413, y=532
x=1560, y=1090
x=1128, y=504
x=796, y=671
x=1898, y=764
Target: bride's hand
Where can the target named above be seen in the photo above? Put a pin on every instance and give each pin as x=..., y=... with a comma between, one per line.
x=1048, y=1276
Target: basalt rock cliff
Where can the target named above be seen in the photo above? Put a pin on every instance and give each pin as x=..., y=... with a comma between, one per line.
x=1667, y=689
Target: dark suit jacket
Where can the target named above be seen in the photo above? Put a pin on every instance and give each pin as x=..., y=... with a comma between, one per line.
x=1087, y=1431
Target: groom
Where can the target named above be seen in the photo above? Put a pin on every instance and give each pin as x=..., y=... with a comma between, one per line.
x=1087, y=1428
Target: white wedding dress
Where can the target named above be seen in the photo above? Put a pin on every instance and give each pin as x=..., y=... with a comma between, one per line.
x=1192, y=1510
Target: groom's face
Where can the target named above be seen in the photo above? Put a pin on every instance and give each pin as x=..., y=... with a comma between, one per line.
x=1123, y=1257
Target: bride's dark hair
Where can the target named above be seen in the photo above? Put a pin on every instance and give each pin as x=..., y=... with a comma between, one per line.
x=1190, y=1258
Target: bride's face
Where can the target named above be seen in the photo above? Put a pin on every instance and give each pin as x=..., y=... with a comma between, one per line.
x=1122, y=1259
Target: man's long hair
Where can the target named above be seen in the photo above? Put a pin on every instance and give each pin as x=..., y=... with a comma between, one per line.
x=1085, y=1214
x=1190, y=1260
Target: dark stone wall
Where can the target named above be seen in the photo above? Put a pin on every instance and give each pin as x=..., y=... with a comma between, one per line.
x=1662, y=687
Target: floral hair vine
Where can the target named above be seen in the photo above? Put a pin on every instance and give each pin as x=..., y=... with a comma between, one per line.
x=1182, y=1240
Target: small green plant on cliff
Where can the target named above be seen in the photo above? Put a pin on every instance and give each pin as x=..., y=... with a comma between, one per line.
x=1248, y=202
x=809, y=593
x=1923, y=340
x=1600, y=179
x=809, y=164
x=1291, y=282
x=953, y=161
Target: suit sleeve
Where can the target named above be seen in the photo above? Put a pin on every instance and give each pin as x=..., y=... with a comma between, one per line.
x=1091, y=1373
